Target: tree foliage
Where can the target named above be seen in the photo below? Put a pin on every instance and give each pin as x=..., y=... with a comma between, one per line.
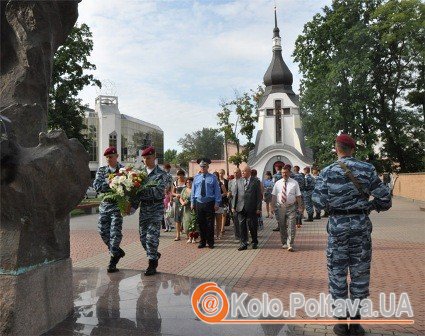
x=244, y=110
x=362, y=63
x=170, y=156
x=207, y=142
x=69, y=77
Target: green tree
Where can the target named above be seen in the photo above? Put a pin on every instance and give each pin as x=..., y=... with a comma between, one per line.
x=170, y=155
x=207, y=142
x=244, y=110
x=69, y=77
x=355, y=79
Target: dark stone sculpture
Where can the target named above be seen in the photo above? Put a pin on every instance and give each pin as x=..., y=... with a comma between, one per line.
x=43, y=174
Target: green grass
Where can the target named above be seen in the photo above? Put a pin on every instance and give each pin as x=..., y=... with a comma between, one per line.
x=77, y=212
x=91, y=200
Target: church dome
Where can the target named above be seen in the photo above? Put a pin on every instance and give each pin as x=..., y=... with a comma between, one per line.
x=278, y=72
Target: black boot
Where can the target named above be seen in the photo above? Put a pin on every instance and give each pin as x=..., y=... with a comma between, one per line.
x=356, y=329
x=151, y=270
x=326, y=214
x=310, y=218
x=112, y=268
x=341, y=329
x=113, y=261
x=317, y=215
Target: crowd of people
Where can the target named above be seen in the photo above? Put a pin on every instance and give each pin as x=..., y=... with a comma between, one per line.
x=201, y=207
x=235, y=189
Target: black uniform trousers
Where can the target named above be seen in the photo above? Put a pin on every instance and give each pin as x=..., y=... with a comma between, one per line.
x=205, y=214
x=248, y=220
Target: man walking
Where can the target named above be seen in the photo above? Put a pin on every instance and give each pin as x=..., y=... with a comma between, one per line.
x=205, y=199
x=345, y=187
x=286, y=195
x=315, y=175
x=110, y=219
x=247, y=203
x=300, y=178
x=307, y=193
x=232, y=185
x=151, y=212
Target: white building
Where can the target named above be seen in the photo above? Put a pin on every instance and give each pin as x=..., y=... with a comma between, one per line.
x=280, y=139
x=106, y=126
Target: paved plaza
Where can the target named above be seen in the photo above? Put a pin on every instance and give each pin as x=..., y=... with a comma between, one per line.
x=397, y=266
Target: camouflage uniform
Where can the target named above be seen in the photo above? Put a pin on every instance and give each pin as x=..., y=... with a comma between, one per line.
x=299, y=177
x=307, y=194
x=349, y=235
x=110, y=219
x=151, y=213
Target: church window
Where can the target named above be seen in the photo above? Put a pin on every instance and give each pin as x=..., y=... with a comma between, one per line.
x=278, y=120
x=286, y=111
x=269, y=112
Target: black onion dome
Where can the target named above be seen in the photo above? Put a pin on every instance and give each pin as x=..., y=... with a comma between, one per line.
x=278, y=72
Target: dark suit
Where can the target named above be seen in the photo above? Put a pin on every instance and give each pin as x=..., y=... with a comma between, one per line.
x=247, y=201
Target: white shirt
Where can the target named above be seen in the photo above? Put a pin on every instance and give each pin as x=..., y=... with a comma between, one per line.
x=292, y=190
x=149, y=170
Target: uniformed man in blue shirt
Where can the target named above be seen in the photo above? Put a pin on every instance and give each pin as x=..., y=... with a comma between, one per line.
x=344, y=188
x=205, y=198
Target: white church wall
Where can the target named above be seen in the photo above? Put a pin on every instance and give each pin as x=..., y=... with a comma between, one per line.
x=261, y=163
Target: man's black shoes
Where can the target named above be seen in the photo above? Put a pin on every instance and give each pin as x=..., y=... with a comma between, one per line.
x=310, y=218
x=113, y=261
x=202, y=245
x=254, y=246
x=341, y=329
x=356, y=329
x=243, y=247
x=151, y=270
x=276, y=229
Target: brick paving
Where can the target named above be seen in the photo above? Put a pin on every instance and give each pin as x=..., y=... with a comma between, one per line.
x=397, y=263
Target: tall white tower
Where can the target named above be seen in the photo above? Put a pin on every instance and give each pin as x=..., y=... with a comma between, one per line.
x=109, y=124
x=280, y=139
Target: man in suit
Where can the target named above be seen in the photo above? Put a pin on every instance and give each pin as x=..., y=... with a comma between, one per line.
x=247, y=203
x=232, y=184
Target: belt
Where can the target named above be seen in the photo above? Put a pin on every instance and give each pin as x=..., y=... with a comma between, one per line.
x=151, y=202
x=286, y=205
x=339, y=212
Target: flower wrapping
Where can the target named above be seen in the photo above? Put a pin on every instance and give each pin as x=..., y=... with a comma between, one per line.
x=125, y=185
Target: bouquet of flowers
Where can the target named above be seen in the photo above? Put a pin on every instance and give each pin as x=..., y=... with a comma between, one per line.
x=125, y=185
x=192, y=227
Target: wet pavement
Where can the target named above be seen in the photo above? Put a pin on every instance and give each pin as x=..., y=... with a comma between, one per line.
x=128, y=303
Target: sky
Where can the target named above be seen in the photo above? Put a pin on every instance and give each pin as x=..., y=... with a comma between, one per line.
x=171, y=62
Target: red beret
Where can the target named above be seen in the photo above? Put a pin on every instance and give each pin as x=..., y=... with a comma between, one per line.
x=110, y=150
x=148, y=151
x=346, y=140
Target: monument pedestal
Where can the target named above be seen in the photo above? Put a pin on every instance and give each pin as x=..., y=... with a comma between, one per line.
x=34, y=301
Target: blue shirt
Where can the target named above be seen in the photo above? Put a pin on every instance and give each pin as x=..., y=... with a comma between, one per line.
x=268, y=185
x=212, y=191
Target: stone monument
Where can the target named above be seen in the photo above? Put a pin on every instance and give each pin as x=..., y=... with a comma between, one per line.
x=43, y=174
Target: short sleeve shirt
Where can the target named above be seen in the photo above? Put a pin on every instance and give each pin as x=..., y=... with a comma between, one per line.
x=292, y=190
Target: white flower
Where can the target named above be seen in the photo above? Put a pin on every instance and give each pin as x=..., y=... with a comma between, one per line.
x=128, y=183
x=120, y=190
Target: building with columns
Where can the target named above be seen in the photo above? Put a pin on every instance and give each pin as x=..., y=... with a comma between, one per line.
x=280, y=139
x=107, y=126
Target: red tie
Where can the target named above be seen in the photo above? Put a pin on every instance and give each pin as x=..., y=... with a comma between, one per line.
x=283, y=198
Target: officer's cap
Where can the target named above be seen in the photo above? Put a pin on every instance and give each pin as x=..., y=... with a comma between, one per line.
x=203, y=162
x=110, y=150
x=148, y=151
x=346, y=140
